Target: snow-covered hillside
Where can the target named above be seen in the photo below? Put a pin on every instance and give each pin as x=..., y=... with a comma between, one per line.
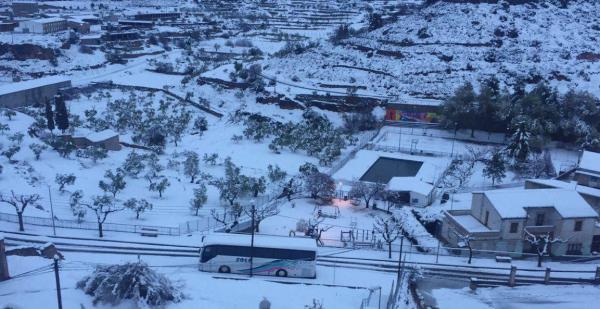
x=430, y=51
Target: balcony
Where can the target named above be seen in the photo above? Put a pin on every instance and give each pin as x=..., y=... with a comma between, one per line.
x=464, y=224
x=540, y=229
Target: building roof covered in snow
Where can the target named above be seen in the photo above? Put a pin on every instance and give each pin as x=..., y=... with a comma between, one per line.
x=47, y=20
x=572, y=185
x=471, y=224
x=590, y=161
x=95, y=136
x=261, y=241
x=31, y=84
x=411, y=184
x=514, y=203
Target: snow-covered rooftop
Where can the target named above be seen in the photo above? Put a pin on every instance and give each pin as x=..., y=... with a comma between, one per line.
x=263, y=241
x=513, y=203
x=47, y=20
x=567, y=185
x=590, y=161
x=95, y=136
x=471, y=224
x=34, y=83
x=409, y=184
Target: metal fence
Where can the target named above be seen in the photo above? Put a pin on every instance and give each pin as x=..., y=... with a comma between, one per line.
x=362, y=143
x=86, y=225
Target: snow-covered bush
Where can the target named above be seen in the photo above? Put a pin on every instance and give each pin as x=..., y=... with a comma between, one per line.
x=132, y=281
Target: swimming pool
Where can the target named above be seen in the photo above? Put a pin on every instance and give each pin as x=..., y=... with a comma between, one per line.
x=385, y=169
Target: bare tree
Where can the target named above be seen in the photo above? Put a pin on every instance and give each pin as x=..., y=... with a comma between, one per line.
x=19, y=202
x=102, y=206
x=290, y=188
x=465, y=241
x=541, y=243
x=365, y=191
x=315, y=231
x=390, y=229
x=262, y=212
x=232, y=212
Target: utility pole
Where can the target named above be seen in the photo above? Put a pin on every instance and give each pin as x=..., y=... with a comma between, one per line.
x=52, y=211
x=400, y=140
x=400, y=259
x=454, y=139
x=57, y=277
x=253, y=211
x=3, y=263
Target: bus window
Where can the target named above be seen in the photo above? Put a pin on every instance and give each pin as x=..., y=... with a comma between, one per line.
x=208, y=253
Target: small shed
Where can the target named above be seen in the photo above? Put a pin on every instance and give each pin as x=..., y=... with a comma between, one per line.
x=106, y=139
x=416, y=192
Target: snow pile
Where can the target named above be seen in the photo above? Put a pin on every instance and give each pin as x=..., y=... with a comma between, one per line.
x=415, y=229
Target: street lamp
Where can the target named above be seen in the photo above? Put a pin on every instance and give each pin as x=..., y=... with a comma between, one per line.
x=252, y=211
x=400, y=260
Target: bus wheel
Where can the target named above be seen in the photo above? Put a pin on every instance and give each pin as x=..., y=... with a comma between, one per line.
x=224, y=269
x=281, y=273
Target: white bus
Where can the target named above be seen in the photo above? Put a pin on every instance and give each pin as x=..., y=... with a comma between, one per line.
x=271, y=255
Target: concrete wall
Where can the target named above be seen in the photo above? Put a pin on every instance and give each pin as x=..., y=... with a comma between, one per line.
x=34, y=96
x=587, y=180
x=479, y=206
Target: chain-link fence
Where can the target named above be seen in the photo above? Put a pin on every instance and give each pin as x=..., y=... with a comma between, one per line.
x=86, y=225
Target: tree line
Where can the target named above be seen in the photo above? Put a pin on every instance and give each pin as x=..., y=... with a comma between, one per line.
x=540, y=114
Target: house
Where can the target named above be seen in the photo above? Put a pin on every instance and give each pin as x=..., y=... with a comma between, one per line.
x=8, y=26
x=157, y=16
x=411, y=191
x=44, y=25
x=585, y=179
x=91, y=40
x=32, y=92
x=137, y=24
x=25, y=8
x=587, y=172
x=106, y=139
x=78, y=26
x=121, y=36
x=497, y=220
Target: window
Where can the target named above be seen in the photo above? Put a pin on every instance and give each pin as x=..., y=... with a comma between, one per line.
x=578, y=226
x=574, y=249
x=210, y=252
x=487, y=217
x=514, y=226
x=415, y=201
x=539, y=219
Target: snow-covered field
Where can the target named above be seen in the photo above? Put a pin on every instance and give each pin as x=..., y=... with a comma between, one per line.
x=535, y=296
x=335, y=288
x=427, y=52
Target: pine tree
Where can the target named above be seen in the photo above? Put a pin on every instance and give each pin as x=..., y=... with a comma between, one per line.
x=62, y=115
x=495, y=168
x=519, y=147
x=49, y=116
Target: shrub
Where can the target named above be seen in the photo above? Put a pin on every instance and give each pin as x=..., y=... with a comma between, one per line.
x=131, y=281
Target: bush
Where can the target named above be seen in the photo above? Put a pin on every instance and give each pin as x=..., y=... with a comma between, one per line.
x=131, y=281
